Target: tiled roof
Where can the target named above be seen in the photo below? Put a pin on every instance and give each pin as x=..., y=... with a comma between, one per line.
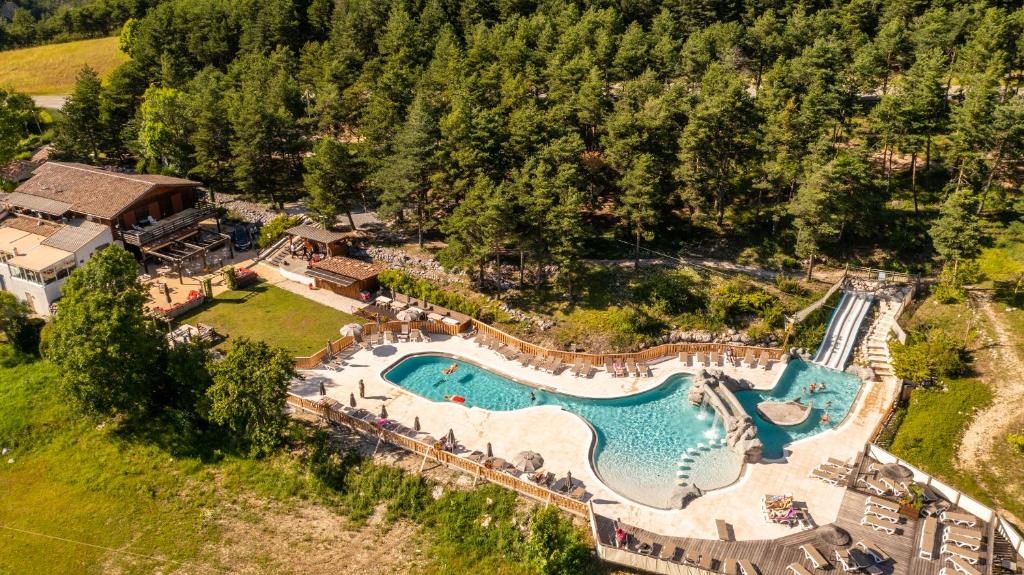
x=348, y=267
x=36, y=203
x=18, y=170
x=31, y=225
x=94, y=191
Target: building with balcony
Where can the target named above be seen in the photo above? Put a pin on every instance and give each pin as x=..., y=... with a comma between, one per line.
x=67, y=210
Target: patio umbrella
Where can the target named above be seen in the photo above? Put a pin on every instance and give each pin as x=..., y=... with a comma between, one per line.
x=529, y=461
x=330, y=352
x=450, y=437
x=896, y=471
x=383, y=412
x=490, y=452
x=352, y=399
x=407, y=315
x=568, y=480
x=416, y=423
x=352, y=329
x=832, y=535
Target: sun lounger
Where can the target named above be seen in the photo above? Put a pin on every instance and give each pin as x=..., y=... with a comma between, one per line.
x=476, y=456
x=966, y=542
x=875, y=486
x=883, y=514
x=588, y=370
x=850, y=560
x=887, y=528
x=691, y=557
x=578, y=493
x=510, y=353
x=838, y=462
x=894, y=485
x=883, y=503
x=821, y=474
x=814, y=557
x=747, y=567
x=686, y=358
x=763, y=361
x=643, y=369
x=730, y=566
x=577, y=368
x=875, y=553
x=959, y=518
x=675, y=557
x=706, y=563
x=526, y=359
x=556, y=365
x=748, y=358
x=723, y=530
x=620, y=370
x=965, y=532
x=927, y=542
x=797, y=569
x=389, y=336
x=967, y=555
x=609, y=367
x=714, y=358
x=958, y=565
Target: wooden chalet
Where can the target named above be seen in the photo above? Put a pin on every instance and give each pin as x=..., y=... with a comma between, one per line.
x=345, y=276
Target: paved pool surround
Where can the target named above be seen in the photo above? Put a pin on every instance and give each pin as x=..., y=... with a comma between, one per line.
x=566, y=440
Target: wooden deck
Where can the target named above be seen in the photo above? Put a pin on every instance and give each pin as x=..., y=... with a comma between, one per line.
x=771, y=556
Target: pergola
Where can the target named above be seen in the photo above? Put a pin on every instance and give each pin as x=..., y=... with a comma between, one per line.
x=176, y=250
x=328, y=242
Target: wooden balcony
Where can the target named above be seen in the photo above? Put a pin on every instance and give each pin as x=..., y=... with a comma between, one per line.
x=169, y=226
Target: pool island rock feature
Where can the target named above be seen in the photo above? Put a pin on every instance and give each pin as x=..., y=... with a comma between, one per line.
x=784, y=413
x=716, y=389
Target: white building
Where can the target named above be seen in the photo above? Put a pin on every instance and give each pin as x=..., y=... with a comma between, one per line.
x=37, y=255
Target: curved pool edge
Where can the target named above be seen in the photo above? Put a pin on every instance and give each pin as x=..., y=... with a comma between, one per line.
x=591, y=451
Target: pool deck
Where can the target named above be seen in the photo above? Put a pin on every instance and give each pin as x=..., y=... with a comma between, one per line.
x=565, y=440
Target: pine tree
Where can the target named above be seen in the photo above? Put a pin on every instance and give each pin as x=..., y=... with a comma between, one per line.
x=639, y=200
x=80, y=132
x=334, y=176
x=956, y=234
x=211, y=135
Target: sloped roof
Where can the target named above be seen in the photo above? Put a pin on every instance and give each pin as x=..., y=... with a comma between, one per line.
x=37, y=203
x=31, y=225
x=94, y=191
x=75, y=235
x=348, y=267
x=316, y=234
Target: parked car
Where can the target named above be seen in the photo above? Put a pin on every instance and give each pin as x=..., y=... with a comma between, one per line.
x=241, y=237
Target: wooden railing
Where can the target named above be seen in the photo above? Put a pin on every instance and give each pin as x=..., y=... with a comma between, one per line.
x=183, y=220
x=649, y=354
x=450, y=459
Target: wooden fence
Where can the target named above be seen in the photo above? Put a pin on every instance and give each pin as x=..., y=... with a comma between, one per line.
x=649, y=354
x=479, y=471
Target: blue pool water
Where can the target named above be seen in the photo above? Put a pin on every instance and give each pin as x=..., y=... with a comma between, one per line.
x=640, y=438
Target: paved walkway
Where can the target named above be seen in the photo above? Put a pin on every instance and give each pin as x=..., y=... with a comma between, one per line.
x=326, y=297
x=565, y=440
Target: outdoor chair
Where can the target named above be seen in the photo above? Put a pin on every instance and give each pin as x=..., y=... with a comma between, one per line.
x=389, y=336
x=883, y=514
x=958, y=566
x=883, y=503
x=814, y=557
x=643, y=369
x=730, y=566
x=967, y=555
x=588, y=369
x=526, y=359
x=868, y=521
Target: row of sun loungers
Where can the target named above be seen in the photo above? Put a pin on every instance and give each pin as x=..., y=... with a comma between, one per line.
x=858, y=557
x=628, y=367
x=716, y=359
x=881, y=515
x=706, y=562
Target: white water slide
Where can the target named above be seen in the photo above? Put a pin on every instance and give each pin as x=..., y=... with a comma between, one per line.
x=842, y=331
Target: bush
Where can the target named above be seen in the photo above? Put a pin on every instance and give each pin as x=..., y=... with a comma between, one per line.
x=1016, y=441
x=949, y=293
x=229, y=278
x=791, y=287
x=274, y=229
x=680, y=291
x=736, y=302
x=421, y=289
x=928, y=356
x=555, y=547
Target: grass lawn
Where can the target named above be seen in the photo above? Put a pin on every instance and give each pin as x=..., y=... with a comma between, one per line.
x=89, y=498
x=276, y=316
x=51, y=69
x=933, y=424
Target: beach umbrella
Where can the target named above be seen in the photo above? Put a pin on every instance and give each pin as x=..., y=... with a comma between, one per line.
x=832, y=535
x=568, y=480
x=416, y=423
x=352, y=329
x=490, y=452
x=896, y=471
x=352, y=399
x=383, y=411
x=407, y=315
x=450, y=436
x=529, y=461
x=330, y=352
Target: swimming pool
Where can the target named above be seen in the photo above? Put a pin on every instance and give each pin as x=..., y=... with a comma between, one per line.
x=641, y=438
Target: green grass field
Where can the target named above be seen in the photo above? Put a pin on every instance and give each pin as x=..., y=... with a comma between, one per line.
x=51, y=69
x=273, y=315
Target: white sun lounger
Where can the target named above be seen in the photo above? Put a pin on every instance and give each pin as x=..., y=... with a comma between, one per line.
x=797, y=569
x=966, y=542
x=748, y=359
x=927, y=541
x=876, y=487
x=883, y=527
x=958, y=566
x=969, y=532
x=814, y=556
x=763, y=360
x=959, y=518
x=847, y=560
x=967, y=555
x=824, y=476
x=883, y=503
x=880, y=513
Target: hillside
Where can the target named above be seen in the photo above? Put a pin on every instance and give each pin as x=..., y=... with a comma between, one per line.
x=51, y=69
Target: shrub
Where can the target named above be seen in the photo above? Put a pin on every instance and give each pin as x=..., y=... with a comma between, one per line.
x=229, y=278
x=679, y=290
x=791, y=287
x=421, y=289
x=274, y=229
x=1016, y=441
x=928, y=356
x=949, y=293
x=555, y=547
x=736, y=301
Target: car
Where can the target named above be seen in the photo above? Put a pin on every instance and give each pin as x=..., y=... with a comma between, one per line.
x=241, y=237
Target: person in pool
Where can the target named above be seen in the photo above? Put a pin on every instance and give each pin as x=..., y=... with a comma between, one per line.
x=824, y=417
x=450, y=369
x=533, y=396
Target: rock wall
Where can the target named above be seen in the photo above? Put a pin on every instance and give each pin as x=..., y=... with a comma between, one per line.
x=716, y=388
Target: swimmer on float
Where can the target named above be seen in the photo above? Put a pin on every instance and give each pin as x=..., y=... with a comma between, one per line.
x=450, y=369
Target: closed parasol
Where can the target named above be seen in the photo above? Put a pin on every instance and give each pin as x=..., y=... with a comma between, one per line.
x=408, y=315
x=352, y=330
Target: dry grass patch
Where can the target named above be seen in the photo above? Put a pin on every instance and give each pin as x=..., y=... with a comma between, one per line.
x=51, y=69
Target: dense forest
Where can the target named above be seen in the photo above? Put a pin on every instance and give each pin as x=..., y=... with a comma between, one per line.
x=556, y=130
x=30, y=22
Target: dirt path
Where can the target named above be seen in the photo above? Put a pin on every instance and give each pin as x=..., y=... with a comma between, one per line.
x=1000, y=367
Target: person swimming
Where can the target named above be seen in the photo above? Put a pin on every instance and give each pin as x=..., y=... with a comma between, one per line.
x=533, y=396
x=825, y=418
x=814, y=387
x=450, y=369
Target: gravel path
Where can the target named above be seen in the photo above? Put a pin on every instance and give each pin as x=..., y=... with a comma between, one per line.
x=1001, y=370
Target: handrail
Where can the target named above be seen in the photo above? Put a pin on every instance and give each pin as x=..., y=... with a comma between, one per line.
x=543, y=494
x=169, y=225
